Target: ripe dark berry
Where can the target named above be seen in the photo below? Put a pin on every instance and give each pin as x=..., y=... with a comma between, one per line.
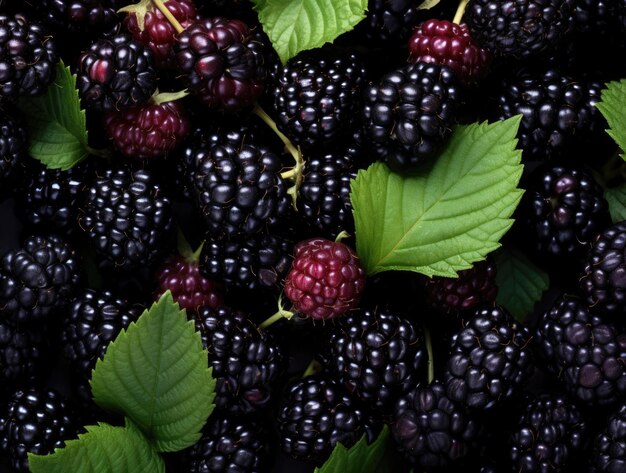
x=116, y=73
x=13, y=147
x=79, y=16
x=449, y=44
x=223, y=63
x=408, y=115
x=23, y=348
x=147, y=130
x=326, y=279
x=608, y=454
x=389, y=21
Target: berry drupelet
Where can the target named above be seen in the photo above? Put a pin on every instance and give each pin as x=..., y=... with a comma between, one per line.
x=79, y=16
x=13, y=147
x=389, y=21
x=23, y=350
x=608, y=454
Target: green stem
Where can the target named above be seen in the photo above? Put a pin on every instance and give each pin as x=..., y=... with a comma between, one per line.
x=460, y=11
x=168, y=14
x=281, y=314
x=342, y=235
x=431, y=358
x=163, y=97
x=313, y=368
x=101, y=153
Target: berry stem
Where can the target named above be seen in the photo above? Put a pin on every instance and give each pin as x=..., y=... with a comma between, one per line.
x=281, y=314
x=313, y=368
x=460, y=11
x=101, y=153
x=168, y=14
x=431, y=359
x=342, y=236
x=163, y=97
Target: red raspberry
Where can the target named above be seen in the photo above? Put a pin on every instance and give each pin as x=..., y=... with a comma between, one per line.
x=147, y=131
x=149, y=26
x=325, y=280
x=446, y=43
x=189, y=288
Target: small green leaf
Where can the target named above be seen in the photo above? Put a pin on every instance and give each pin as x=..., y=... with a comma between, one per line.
x=298, y=25
x=520, y=283
x=56, y=123
x=103, y=449
x=156, y=372
x=362, y=458
x=447, y=218
x=613, y=107
x=616, y=198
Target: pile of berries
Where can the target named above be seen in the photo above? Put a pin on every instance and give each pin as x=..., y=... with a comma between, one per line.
x=178, y=107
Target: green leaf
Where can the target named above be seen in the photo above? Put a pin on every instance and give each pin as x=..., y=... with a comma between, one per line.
x=428, y=4
x=613, y=107
x=616, y=198
x=443, y=220
x=56, y=123
x=298, y=25
x=103, y=449
x=520, y=282
x=156, y=372
x=362, y=458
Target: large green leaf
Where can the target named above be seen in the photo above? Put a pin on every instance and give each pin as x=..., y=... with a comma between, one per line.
x=450, y=216
x=613, y=107
x=156, y=372
x=616, y=198
x=56, y=123
x=362, y=458
x=103, y=449
x=298, y=25
x=520, y=282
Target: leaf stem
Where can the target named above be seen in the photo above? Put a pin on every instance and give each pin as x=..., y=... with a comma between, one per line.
x=431, y=358
x=341, y=236
x=460, y=11
x=101, y=153
x=281, y=314
x=313, y=368
x=168, y=14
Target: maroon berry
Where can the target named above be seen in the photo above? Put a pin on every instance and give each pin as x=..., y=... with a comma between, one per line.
x=154, y=31
x=325, y=280
x=472, y=287
x=189, y=288
x=147, y=131
x=223, y=63
x=446, y=43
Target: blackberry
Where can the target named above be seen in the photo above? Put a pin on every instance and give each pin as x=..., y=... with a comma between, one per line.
x=38, y=279
x=127, y=218
x=608, y=454
x=246, y=362
x=13, y=147
x=315, y=415
x=116, y=73
x=22, y=353
x=562, y=210
x=594, y=16
x=28, y=57
x=317, y=96
x=587, y=354
x=490, y=359
x=520, y=29
x=560, y=117
x=377, y=355
x=603, y=281
x=34, y=422
x=93, y=321
x=229, y=445
x=79, y=16
x=548, y=436
x=389, y=21
x=430, y=429
x=409, y=114
x=470, y=288
x=223, y=62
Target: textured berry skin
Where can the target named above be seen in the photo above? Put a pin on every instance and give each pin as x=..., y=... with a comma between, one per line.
x=587, y=354
x=28, y=57
x=157, y=33
x=38, y=279
x=315, y=415
x=22, y=351
x=409, y=114
x=317, y=96
x=473, y=286
x=148, y=130
x=430, y=429
x=116, y=73
x=377, y=355
x=93, y=321
x=519, y=28
x=594, y=16
x=562, y=210
x=188, y=287
x=490, y=359
x=127, y=218
x=246, y=362
x=559, y=112
x=13, y=146
x=326, y=279
x=82, y=16
x=603, y=281
x=449, y=44
x=36, y=422
x=229, y=445
x=389, y=21
x=260, y=261
x=237, y=185
x=608, y=454
x=223, y=63
x=547, y=436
